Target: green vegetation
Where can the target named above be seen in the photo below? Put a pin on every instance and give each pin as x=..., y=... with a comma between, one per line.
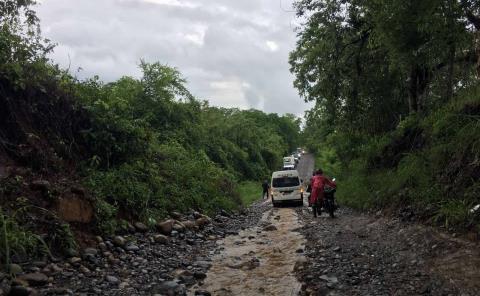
x=397, y=97
x=249, y=192
x=141, y=147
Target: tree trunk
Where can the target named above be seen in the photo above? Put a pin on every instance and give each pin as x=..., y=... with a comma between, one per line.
x=413, y=93
x=419, y=80
x=451, y=65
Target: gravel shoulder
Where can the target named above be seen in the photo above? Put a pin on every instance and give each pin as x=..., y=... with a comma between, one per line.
x=141, y=262
x=357, y=254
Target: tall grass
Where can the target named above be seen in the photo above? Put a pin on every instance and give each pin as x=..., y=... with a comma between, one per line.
x=250, y=192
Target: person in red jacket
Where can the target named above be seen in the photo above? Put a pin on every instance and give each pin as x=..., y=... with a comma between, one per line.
x=318, y=183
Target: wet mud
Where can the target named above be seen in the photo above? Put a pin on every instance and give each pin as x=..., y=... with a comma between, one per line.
x=259, y=260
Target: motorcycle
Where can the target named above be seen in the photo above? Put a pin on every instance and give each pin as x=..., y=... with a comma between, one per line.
x=329, y=200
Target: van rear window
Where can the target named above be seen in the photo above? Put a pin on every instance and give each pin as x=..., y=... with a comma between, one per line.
x=285, y=182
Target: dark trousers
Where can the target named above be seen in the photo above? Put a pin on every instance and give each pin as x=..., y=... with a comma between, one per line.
x=264, y=192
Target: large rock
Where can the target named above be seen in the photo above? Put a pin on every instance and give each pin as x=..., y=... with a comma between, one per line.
x=178, y=226
x=35, y=279
x=165, y=227
x=176, y=215
x=75, y=209
x=202, y=221
x=190, y=225
x=140, y=227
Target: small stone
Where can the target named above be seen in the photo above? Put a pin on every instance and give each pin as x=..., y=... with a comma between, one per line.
x=202, y=293
x=187, y=279
x=90, y=251
x=111, y=279
x=119, y=241
x=161, y=239
x=35, y=279
x=202, y=264
x=336, y=249
x=270, y=227
x=200, y=275
x=74, y=260
x=167, y=288
x=132, y=248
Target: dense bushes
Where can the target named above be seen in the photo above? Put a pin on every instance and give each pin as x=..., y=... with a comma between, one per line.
x=154, y=148
x=396, y=91
x=436, y=173
x=137, y=148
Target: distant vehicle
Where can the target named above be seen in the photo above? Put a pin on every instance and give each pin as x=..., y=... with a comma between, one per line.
x=286, y=186
x=289, y=163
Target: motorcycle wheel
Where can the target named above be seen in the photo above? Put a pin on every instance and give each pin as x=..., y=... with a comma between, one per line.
x=331, y=208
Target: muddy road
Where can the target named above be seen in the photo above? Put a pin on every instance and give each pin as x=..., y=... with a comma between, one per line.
x=291, y=253
x=263, y=251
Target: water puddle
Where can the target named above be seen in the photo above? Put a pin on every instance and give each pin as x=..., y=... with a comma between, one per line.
x=259, y=260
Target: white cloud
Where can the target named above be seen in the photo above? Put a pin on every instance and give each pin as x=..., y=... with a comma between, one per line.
x=171, y=3
x=197, y=36
x=272, y=45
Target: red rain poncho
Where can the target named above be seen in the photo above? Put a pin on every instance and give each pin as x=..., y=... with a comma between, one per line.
x=317, y=183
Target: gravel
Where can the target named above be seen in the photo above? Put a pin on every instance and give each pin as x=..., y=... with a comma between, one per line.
x=138, y=263
x=358, y=254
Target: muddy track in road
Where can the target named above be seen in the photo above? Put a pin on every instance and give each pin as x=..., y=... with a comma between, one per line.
x=259, y=260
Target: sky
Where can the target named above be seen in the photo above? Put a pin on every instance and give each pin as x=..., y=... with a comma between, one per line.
x=233, y=53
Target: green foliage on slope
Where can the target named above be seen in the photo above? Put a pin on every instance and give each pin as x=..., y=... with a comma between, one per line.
x=397, y=103
x=142, y=147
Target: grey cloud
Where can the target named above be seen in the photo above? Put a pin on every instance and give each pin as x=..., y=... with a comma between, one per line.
x=220, y=46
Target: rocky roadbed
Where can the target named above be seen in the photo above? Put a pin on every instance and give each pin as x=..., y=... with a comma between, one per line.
x=353, y=254
x=356, y=254
x=164, y=262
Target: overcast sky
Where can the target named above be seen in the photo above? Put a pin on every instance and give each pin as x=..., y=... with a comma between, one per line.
x=233, y=53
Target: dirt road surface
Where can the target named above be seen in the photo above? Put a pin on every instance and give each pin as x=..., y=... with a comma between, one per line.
x=291, y=253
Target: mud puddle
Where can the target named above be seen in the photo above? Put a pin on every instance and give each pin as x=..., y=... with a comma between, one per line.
x=259, y=260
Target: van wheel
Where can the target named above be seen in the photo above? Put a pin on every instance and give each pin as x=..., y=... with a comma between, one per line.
x=274, y=204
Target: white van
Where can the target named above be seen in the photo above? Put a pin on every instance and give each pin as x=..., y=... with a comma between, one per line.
x=286, y=186
x=289, y=163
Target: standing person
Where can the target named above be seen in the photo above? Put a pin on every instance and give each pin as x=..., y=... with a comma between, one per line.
x=316, y=197
x=265, y=187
